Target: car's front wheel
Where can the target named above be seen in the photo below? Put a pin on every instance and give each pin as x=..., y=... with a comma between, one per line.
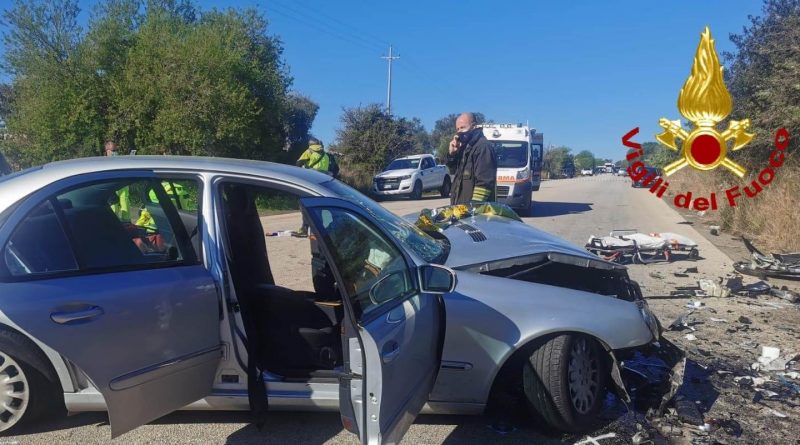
x=565, y=381
x=416, y=192
x=28, y=387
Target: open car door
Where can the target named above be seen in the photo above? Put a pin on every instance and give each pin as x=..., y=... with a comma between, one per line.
x=394, y=319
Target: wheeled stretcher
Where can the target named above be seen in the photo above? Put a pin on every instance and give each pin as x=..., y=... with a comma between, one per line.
x=630, y=245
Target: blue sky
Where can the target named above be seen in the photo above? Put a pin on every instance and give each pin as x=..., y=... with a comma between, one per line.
x=582, y=72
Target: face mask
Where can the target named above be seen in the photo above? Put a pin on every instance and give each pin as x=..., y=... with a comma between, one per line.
x=465, y=136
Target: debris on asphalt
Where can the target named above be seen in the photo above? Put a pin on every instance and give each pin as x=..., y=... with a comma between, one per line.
x=713, y=288
x=681, y=275
x=786, y=294
x=681, y=323
x=744, y=320
x=714, y=230
x=656, y=275
x=777, y=413
x=775, y=265
x=792, y=387
x=767, y=393
x=753, y=289
x=751, y=381
x=589, y=440
x=691, y=337
x=691, y=270
x=771, y=360
x=718, y=320
x=695, y=304
x=687, y=411
x=729, y=426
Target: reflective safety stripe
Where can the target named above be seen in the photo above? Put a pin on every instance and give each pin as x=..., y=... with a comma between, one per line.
x=480, y=194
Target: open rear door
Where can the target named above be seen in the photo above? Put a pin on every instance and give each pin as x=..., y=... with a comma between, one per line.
x=393, y=331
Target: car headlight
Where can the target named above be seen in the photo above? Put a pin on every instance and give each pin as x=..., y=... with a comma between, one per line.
x=649, y=319
x=523, y=174
x=403, y=178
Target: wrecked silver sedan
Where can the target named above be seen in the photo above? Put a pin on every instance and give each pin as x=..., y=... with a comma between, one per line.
x=143, y=285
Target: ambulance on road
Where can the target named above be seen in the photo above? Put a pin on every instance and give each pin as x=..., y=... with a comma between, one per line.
x=518, y=149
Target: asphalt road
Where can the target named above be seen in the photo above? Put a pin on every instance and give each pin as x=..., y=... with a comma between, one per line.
x=572, y=209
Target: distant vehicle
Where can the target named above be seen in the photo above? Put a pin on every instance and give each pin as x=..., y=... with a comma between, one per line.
x=587, y=172
x=519, y=163
x=609, y=167
x=410, y=176
x=650, y=172
x=621, y=172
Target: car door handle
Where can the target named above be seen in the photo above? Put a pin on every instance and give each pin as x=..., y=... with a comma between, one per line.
x=390, y=351
x=87, y=313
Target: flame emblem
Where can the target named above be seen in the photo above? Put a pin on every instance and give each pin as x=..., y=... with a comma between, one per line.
x=704, y=100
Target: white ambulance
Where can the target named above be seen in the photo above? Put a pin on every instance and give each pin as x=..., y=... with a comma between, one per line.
x=518, y=149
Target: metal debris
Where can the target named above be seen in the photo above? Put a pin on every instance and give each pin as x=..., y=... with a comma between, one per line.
x=777, y=413
x=681, y=323
x=785, y=294
x=589, y=440
x=713, y=288
x=687, y=411
x=771, y=360
x=695, y=304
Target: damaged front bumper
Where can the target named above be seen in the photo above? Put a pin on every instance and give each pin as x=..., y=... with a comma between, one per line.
x=648, y=375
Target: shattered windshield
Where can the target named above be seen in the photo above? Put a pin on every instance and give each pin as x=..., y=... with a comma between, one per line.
x=427, y=248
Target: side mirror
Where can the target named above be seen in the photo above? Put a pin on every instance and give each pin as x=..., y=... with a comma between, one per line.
x=436, y=279
x=388, y=287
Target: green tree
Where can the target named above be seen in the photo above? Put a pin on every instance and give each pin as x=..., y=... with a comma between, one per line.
x=298, y=118
x=369, y=138
x=657, y=155
x=584, y=159
x=557, y=161
x=443, y=131
x=762, y=77
x=157, y=76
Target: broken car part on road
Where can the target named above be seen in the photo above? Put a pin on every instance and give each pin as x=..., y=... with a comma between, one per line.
x=776, y=265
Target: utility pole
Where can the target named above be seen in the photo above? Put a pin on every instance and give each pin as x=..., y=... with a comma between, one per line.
x=389, y=87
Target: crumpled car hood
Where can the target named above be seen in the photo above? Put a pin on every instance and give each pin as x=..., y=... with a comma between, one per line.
x=478, y=241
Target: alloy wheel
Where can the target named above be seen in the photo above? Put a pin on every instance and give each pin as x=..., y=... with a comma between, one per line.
x=14, y=392
x=584, y=376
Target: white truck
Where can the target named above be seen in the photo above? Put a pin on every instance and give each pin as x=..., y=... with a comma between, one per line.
x=518, y=149
x=410, y=176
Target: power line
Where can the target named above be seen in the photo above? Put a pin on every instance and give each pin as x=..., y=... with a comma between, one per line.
x=315, y=23
x=316, y=13
x=323, y=30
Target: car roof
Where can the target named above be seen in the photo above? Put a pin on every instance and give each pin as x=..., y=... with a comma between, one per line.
x=415, y=156
x=15, y=188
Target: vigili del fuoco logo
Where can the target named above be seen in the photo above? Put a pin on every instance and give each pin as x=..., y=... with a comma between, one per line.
x=705, y=101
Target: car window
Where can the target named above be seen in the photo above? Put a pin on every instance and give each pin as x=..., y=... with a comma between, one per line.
x=122, y=223
x=373, y=270
x=39, y=245
x=409, y=235
x=427, y=163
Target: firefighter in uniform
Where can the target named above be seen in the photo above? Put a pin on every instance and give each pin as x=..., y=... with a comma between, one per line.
x=472, y=161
